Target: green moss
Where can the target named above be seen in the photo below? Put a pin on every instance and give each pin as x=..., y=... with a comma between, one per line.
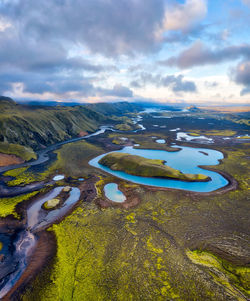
x=140, y=166
x=145, y=140
x=23, y=176
x=232, y=277
x=8, y=205
x=26, y=153
x=123, y=127
x=243, y=137
x=213, y=133
x=51, y=204
x=72, y=159
x=119, y=140
x=15, y=172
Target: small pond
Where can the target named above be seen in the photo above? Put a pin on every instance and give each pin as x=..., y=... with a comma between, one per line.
x=160, y=141
x=113, y=193
x=58, y=177
x=187, y=160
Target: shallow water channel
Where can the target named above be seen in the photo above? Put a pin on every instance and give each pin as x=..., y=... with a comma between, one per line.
x=187, y=160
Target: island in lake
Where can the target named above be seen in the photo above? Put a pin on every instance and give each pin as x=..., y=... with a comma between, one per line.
x=140, y=166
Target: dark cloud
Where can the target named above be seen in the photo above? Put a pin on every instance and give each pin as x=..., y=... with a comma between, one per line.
x=107, y=27
x=241, y=75
x=39, y=56
x=36, y=43
x=178, y=84
x=175, y=83
x=198, y=54
x=117, y=91
x=42, y=83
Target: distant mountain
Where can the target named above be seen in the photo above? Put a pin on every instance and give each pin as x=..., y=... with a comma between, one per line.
x=193, y=109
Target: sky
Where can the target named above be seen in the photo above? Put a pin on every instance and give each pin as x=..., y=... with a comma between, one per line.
x=168, y=51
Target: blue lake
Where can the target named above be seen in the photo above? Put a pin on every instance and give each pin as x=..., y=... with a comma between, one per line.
x=186, y=160
x=113, y=193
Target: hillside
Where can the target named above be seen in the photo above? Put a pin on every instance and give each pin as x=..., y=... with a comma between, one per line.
x=37, y=126
x=140, y=166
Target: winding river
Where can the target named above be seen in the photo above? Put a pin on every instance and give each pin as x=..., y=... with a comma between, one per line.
x=43, y=155
x=187, y=160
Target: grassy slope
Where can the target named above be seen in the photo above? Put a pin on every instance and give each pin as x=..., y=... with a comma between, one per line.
x=139, y=166
x=8, y=205
x=41, y=126
x=26, y=153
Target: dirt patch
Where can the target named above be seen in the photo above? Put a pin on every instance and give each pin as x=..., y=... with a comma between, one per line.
x=83, y=133
x=6, y=160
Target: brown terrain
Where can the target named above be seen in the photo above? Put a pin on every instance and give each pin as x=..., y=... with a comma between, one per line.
x=6, y=160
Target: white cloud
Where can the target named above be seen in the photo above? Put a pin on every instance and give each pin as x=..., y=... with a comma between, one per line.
x=185, y=16
x=225, y=91
x=4, y=24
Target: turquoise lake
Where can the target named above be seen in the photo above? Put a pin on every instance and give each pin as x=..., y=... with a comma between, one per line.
x=187, y=160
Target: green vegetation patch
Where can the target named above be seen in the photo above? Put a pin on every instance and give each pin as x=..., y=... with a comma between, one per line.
x=8, y=205
x=123, y=127
x=24, y=177
x=243, y=137
x=73, y=158
x=145, y=140
x=25, y=153
x=232, y=277
x=228, y=133
x=51, y=204
x=140, y=166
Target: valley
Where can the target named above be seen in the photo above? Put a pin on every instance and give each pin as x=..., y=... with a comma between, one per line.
x=184, y=238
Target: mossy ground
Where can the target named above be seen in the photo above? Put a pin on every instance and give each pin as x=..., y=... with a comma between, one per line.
x=72, y=160
x=142, y=253
x=25, y=153
x=227, y=133
x=8, y=205
x=50, y=204
x=145, y=140
x=236, y=279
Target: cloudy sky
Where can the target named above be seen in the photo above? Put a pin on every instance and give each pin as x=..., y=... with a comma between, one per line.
x=106, y=50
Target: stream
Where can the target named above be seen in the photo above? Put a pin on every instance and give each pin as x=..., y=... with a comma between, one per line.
x=14, y=262
x=43, y=155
